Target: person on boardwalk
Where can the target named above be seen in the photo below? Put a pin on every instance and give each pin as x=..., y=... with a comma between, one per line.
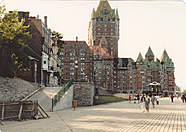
x=172, y=98
x=138, y=98
x=183, y=98
x=153, y=100
x=157, y=99
x=147, y=103
x=130, y=98
x=143, y=99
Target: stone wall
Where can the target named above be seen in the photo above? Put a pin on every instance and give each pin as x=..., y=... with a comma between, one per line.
x=84, y=93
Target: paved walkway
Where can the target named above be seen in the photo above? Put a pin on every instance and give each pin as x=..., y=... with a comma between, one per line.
x=115, y=117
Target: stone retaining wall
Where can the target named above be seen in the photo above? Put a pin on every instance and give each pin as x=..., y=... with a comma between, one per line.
x=84, y=93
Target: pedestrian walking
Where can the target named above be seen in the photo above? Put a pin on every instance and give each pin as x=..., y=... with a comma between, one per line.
x=143, y=99
x=153, y=100
x=138, y=98
x=147, y=103
x=135, y=98
x=172, y=98
x=183, y=98
x=130, y=98
x=157, y=99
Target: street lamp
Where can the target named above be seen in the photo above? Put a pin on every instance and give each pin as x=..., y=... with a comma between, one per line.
x=76, y=67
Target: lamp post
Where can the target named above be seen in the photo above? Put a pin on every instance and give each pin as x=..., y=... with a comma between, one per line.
x=76, y=67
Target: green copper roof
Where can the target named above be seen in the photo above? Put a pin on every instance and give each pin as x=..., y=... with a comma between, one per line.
x=164, y=57
x=117, y=16
x=140, y=58
x=149, y=52
x=166, y=60
x=104, y=10
x=148, y=64
x=93, y=13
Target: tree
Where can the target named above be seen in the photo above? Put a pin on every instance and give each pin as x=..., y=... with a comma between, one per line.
x=13, y=41
x=58, y=37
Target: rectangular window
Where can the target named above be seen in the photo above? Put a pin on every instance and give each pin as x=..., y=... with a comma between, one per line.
x=82, y=58
x=71, y=73
x=71, y=58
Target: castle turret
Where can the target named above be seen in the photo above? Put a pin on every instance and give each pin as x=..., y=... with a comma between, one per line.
x=105, y=22
x=149, y=56
x=140, y=59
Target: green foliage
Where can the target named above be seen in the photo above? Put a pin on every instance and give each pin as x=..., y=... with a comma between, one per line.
x=184, y=92
x=13, y=41
x=108, y=99
x=58, y=37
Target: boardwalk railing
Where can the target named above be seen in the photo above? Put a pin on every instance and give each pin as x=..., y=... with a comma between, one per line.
x=58, y=96
x=18, y=110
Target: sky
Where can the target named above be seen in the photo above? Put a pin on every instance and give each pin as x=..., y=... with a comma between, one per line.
x=158, y=24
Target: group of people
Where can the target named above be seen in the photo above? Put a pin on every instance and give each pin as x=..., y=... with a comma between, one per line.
x=145, y=101
x=183, y=98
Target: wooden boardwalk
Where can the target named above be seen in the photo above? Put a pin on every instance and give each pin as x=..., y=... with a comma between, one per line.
x=114, y=117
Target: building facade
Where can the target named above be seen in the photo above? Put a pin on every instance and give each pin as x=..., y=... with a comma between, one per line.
x=124, y=75
x=98, y=60
x=102, y=68
x=104, y=27
x=42, y=49
x=76, y=61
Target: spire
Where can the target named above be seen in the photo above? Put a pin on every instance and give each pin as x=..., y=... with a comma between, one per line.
x=164, y=57
x=93, y=13
x=140, y=58
x=117, y=16
x=104, y=9
x=166, y=60
x=149, y=53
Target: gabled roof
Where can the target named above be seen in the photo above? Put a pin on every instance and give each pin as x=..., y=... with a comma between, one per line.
x=149, y=52
x=140, y=58
x=98, y=51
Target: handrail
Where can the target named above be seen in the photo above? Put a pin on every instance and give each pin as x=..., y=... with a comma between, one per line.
x=58, y=96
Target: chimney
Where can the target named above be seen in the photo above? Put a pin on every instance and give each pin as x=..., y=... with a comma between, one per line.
x=45, y=19
x=76, y=38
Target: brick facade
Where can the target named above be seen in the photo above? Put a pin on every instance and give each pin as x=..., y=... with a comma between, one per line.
x=72, y=51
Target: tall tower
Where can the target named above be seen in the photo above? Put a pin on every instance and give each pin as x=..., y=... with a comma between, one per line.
x=104, y=25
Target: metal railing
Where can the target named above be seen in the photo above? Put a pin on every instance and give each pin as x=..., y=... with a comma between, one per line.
x=58, y=96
